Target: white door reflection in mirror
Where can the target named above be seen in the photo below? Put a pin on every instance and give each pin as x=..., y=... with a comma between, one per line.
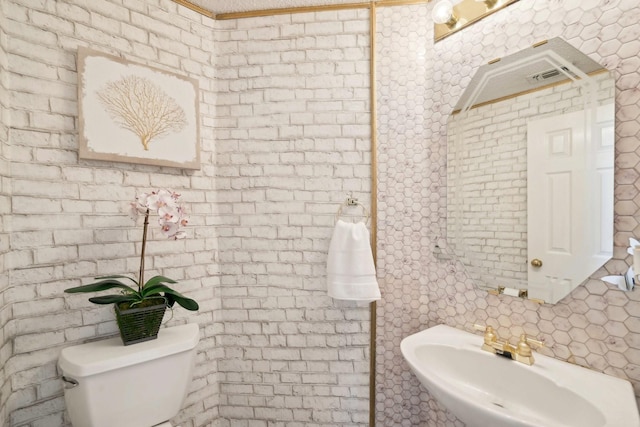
x=569, y=176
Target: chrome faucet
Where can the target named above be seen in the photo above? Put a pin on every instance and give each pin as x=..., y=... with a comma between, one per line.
x=520, y=352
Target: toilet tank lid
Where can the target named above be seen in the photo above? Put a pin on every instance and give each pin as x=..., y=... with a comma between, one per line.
x=106, y=355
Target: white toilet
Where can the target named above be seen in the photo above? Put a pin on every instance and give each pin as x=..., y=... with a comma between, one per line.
x=108, y=384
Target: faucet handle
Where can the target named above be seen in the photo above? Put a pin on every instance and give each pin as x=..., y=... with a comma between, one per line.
x=531, y=341
x=483, y=328
x=523, y=348
x=479, y=327
x=489, y=334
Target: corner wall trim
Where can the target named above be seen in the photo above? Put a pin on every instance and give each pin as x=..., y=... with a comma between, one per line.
x=196, y=8
x=301, y=9
x=374, y=207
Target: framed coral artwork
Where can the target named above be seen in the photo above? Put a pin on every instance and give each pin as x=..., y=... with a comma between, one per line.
x=133, y=113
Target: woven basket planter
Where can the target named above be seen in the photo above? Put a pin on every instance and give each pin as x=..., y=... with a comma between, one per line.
x=140, y=324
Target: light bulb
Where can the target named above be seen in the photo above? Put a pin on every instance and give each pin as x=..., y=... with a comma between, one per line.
x=443, y=12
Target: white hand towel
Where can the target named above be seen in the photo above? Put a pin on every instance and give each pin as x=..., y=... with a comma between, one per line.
x=351, y=273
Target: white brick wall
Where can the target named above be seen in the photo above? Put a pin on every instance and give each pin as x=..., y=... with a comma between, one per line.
x=69, y=220
x=487, y=165
x=5, y=206
x=294, y=139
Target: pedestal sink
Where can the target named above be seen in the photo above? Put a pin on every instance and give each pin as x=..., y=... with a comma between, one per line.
x=486, y=390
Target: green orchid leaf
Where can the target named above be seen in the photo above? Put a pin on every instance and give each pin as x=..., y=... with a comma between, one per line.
x=156, y=289
x=155, y=280
x=112, y=299
x=173, y=296
x=156, y=285
x=102, y=285
x=185, y=302
x=119, y=276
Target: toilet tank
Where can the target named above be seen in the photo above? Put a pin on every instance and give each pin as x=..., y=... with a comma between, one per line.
x=139, y=385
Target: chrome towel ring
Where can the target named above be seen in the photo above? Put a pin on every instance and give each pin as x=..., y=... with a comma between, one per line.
x=353, y=202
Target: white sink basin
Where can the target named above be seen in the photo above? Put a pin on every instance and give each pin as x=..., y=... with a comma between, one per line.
x=483, y=389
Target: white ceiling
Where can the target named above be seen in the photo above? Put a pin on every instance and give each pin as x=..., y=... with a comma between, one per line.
x=228, y=6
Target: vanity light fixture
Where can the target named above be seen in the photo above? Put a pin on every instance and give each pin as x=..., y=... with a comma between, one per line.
x=450, y=16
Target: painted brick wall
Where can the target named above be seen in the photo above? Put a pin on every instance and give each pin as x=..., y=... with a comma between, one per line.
x=5, y=205
x=487, y=165
x=69, y=220
x=293, y=141
x=596, y=325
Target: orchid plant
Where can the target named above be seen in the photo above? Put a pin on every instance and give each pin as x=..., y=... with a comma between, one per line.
x=172, y=217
